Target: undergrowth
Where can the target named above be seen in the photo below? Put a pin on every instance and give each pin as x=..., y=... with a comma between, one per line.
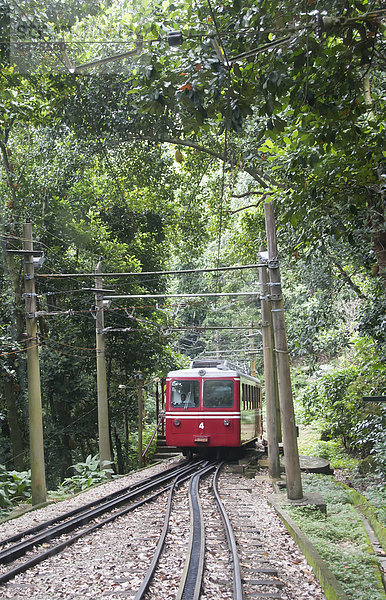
x=340, y=538
x=353, y=471
x=87, y=474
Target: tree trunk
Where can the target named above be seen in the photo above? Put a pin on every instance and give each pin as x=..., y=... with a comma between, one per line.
x=118, y=446
x=63, y=416
x=15, y=433
x=12, y=275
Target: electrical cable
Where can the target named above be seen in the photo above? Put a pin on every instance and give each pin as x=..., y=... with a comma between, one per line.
x=44, y=337
x=136, y=273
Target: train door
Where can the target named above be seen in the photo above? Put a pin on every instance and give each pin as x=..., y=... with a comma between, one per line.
x=182, y=414
x=220, y=422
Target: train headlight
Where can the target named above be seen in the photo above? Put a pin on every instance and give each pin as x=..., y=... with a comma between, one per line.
x=177, y=423
x=226, y=422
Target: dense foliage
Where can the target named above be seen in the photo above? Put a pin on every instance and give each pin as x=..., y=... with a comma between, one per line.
x=163, y=158
x=336, y=399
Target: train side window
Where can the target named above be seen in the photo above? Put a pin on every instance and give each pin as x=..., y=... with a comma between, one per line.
x=184, y=393
x=244, y=395
x=218, y=393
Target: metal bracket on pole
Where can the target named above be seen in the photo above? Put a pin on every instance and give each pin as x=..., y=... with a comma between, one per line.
x=276, y=297
x=273, y=263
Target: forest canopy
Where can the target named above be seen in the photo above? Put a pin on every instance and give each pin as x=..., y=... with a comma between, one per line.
x=151, y=134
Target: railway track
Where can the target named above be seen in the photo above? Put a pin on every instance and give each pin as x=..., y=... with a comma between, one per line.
x=192, y=577
x=18, y=545
x=180, y=546
x=262, y=581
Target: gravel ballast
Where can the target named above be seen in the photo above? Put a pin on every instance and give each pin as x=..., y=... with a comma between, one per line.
x=112, y=561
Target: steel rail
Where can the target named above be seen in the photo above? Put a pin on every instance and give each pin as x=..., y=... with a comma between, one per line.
x=19, y=550
x=85, y=507
x=191, y=581
x=59, y=547
x=157, y=553
x=237, y=584
x=150, y=572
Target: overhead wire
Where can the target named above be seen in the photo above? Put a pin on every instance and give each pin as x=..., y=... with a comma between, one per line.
x=19, y=351
x=223, y=179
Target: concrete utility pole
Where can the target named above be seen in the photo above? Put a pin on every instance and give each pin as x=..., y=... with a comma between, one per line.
x=38, y=477
x=291, y=453
x=269, y=376
x=103, y=406
x=140, y=417
x=252, y=355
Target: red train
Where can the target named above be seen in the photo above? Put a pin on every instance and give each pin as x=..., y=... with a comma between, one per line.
x=211, y=408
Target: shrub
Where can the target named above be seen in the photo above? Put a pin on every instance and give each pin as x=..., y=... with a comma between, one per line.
x=15, y=486
x=336, y=399
x=87, y=474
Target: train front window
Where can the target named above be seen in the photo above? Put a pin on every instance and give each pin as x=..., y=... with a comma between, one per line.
x=218, y=394
x=184, y=394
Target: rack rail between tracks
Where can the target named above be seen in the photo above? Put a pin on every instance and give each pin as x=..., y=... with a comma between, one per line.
x=192, y=577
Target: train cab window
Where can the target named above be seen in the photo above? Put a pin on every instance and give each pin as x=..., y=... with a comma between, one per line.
x=218, y=394
x=184, y=394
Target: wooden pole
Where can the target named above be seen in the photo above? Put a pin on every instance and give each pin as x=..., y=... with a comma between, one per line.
x=103, y=408
x=38, y=477
x=291, y=453
x=269, y=376
x=140, y=417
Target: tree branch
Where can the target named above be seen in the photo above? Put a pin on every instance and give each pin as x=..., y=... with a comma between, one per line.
x=346, y=276
x=232, y=212
x=263, y=179
x=252, y=193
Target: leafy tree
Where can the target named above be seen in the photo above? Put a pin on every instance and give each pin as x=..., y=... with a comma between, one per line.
x=336, y=398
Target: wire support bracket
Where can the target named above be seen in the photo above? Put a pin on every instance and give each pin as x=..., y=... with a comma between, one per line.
x=273, y=263
x=32, y=315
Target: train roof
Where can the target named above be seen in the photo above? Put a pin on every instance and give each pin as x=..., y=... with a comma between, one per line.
x=211, y=368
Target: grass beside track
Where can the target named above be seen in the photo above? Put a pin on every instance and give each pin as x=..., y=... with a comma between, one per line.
x=340, y=538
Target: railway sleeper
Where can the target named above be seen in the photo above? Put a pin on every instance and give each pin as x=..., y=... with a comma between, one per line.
x=261, y=595
x=264, y=582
